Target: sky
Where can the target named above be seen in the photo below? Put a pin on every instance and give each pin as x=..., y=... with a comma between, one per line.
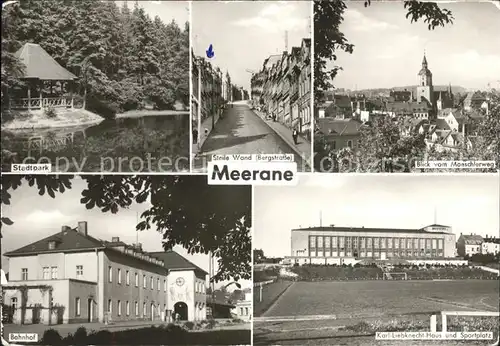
x=166, y=10
x=243, y=34
x=467, y=203
x=389, y=48
x=36, y=217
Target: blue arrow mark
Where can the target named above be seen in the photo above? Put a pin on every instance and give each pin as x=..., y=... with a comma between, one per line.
x=210, y=52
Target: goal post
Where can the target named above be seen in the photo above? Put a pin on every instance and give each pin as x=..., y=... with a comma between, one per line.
x=395, y=276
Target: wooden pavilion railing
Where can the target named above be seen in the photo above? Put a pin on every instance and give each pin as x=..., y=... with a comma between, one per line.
x=37, y=103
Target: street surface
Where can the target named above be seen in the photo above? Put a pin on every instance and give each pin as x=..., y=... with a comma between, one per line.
x=241, y=131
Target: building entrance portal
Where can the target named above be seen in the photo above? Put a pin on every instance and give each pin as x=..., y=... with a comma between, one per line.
x=181, y=309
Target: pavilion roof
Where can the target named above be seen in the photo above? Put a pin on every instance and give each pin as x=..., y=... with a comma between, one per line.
x=40, y=65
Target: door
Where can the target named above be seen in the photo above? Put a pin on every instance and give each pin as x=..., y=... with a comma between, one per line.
x=90, y=310
x=181, y=309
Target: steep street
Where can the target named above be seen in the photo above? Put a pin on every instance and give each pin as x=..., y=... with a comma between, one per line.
x=241, y=131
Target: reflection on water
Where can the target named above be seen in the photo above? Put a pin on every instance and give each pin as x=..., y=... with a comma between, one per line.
x=148, y=143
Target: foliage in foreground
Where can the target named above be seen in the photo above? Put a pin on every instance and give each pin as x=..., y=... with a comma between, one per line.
x=188, y=212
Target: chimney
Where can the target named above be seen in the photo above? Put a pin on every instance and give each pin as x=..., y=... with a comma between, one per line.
x=115, y=239
x=65, y=228
x=82, y=227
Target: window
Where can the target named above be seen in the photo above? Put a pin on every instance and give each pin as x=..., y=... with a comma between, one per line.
x=334, y=242
x=389, y=243
x=52, y=245
x=136, y=308
x=110, y=307
x=46, y=273
x=127, y=277
x=334, y=145
x=328, y=242
x=110, y=274
x=151, y=282
x=165, y=285
x=341, y=243
x=144, y=309
x=376, y=243
x=383, y=243
x=320, y=242
x=158, y=284
x=79, y=271
x=349, y=143
x=246, y=311
x=127, y=308
x=119, y=276
x=369, y=242
x=53, y=273
x=77, y=306
x=119, y=308
x=312, y=242
x=13, y=303
x=24, y=274
x=144, y=281
x=136, y=280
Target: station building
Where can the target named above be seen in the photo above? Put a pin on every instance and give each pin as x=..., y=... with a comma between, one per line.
x=72, y=277
x=339, y=245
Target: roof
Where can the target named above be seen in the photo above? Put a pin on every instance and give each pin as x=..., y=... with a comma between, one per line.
x=366, y=229
x=473, y=239
x=211, y=301
x=338, y=126
x=174, y=261
x=437, y=225
x=67, y=241
x=71, y=240
x=40, y=65
x=441, y=124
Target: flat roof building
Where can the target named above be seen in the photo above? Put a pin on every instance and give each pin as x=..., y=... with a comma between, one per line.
x=337, y=245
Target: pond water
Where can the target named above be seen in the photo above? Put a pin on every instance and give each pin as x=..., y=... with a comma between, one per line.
x=149, y=143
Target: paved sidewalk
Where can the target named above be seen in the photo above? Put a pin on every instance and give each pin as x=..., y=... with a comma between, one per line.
x=302, y=148
x=206, y=124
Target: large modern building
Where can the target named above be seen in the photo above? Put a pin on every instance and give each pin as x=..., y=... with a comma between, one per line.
x=337, y=245
x=72, y=277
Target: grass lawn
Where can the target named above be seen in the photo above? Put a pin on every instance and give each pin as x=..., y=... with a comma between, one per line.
x=365, y=297
x=270, y=293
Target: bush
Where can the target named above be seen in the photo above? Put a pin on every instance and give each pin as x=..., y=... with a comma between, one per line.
x=189, y=325
x=50, y=112
x=102, y=337
x=51, y=337
x=80, y=337
x=211, y=323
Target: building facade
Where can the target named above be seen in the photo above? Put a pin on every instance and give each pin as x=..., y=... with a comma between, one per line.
x=72, y=277
x=337, y=245
x=243, y=309
x=283, y=87
x=207, y=97
x=469, y=244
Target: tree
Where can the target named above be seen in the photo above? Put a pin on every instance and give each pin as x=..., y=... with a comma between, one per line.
x=258, y=255
x=202, y=218
x=328, y=39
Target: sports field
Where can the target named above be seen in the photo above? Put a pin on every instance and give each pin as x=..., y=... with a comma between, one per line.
x=319, y=309
x=373, y=297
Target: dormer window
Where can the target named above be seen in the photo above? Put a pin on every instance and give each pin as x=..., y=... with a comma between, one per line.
x=52, y=245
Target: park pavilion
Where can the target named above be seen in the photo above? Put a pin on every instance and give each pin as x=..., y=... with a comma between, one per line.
x=47, y=82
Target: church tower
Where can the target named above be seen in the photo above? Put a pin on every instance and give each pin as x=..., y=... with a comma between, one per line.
x=425, y=90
